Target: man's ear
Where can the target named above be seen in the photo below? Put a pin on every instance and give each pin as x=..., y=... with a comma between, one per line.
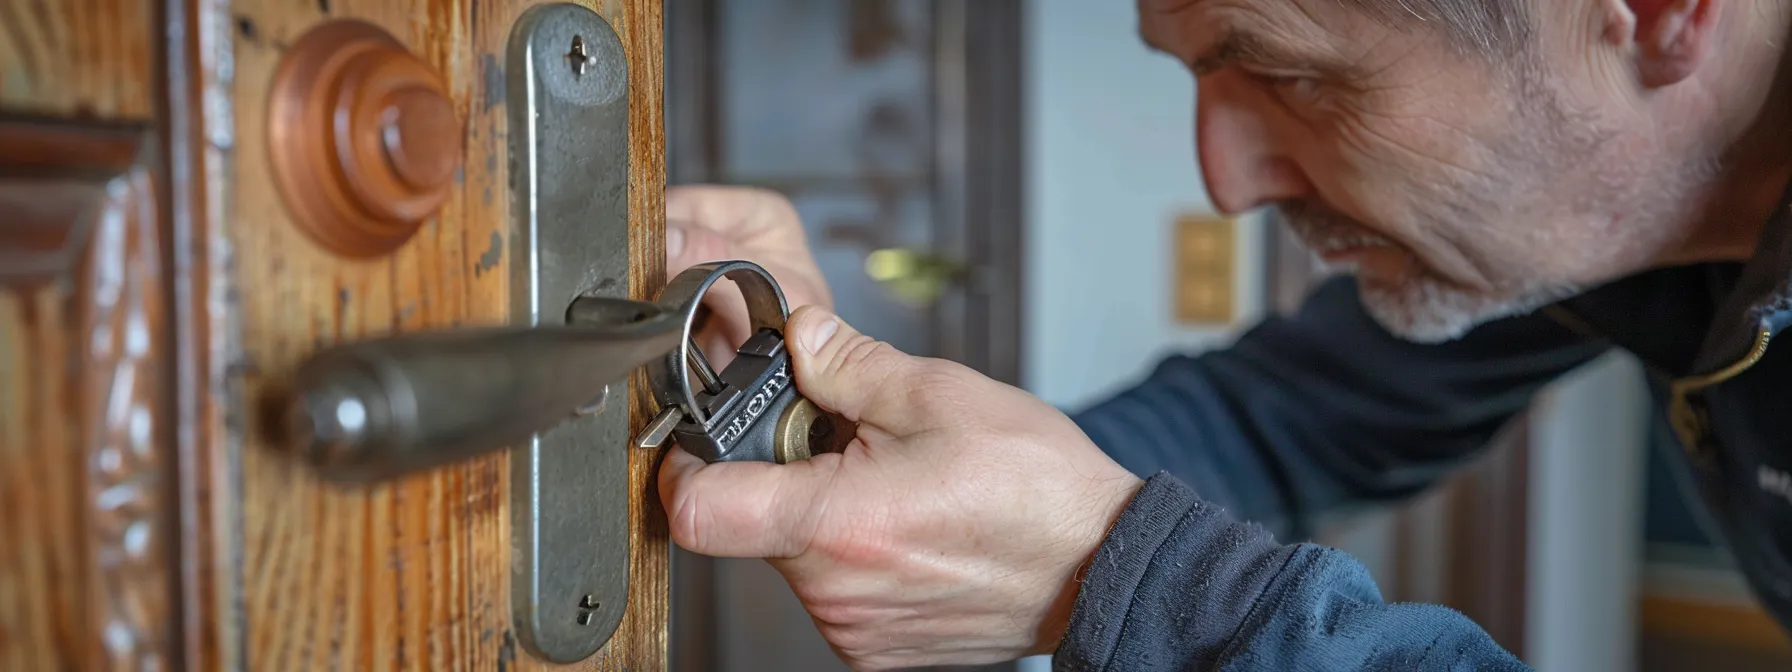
x=1672, y=38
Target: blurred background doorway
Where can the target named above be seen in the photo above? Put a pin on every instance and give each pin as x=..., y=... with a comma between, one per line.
x=892, y=127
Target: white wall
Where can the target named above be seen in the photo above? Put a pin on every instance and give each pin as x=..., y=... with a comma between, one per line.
x=1110, y=143
x=1589, y=451
x=1110, y=148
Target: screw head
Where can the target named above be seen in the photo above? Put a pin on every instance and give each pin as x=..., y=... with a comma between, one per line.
x=586, y=606
x=577, y=57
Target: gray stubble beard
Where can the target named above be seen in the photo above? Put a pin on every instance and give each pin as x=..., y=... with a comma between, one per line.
x=1426, y=308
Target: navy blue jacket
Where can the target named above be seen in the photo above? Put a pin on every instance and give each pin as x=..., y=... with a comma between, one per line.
x=1324, y=410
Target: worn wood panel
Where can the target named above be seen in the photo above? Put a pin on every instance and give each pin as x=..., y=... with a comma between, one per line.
x=197, y=134
x=85, y=577
x=77, y=57
x=416, y=573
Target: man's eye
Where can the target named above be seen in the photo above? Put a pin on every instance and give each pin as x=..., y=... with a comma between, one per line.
x=1293, y=89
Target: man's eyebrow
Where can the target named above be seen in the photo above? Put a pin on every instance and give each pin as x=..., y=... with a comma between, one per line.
x=1239, y=46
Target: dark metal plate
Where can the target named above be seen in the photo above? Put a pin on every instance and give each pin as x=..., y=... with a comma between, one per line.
x=569, y=135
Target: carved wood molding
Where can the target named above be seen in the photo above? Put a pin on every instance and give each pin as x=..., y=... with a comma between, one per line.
x=51, y=175
x=128, y=518
x=81, y=221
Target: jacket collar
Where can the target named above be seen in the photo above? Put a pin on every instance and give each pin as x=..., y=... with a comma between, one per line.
x=1762, y=300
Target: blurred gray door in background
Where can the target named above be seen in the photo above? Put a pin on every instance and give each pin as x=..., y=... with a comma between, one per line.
x=897, y=137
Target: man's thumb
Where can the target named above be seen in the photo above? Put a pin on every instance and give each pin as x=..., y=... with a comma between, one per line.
x=845, y=371
x=741, y=509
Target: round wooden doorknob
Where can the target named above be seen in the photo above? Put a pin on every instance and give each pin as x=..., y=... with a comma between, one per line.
x=363, y=138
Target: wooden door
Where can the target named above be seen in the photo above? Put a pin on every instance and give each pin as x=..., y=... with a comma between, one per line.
x=154, y=288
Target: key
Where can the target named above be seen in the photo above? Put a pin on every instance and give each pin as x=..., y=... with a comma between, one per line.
x=751, y=411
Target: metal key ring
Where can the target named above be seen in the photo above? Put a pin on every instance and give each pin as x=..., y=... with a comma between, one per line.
x=766, y=309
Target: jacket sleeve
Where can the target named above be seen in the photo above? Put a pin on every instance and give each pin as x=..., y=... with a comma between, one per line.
x=1314, y=413
x=1180, y=585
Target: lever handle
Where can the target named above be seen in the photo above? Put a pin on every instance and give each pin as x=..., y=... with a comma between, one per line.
x=915, y=277
x=379, y=408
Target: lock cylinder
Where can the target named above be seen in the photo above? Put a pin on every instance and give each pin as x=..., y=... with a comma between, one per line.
x=751, y=411
x=742, y=413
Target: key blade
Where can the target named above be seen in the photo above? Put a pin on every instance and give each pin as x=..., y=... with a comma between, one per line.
x=660, y=428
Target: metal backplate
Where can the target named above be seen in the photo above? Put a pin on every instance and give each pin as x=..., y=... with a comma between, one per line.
x=568, y=103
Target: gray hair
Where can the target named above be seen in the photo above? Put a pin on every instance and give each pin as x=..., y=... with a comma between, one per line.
x=1490, y=28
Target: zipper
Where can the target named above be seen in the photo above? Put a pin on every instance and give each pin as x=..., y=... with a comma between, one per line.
x=1688, y=413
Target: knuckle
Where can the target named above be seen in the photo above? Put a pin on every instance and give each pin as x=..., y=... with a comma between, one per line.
x=831, y=605
x=837, y=614
x=762, y=194
x=775, y=202
x=765, y=205
x=867, y=544
x=854, y=642
x=705, y=245
x=938, y=386
x=866, y=354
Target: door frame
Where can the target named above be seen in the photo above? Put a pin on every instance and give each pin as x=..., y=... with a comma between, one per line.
x=978, y=218
x=978, y=161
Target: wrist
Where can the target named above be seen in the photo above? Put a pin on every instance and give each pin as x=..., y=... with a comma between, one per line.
x=1058, y=616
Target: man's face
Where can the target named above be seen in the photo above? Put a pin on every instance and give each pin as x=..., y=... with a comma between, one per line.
x=1460, y=188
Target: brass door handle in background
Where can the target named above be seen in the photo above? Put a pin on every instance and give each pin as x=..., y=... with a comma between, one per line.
x=913, y=276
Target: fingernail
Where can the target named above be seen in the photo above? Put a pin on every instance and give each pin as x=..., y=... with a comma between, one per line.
x=674, y=241
x=819, y=332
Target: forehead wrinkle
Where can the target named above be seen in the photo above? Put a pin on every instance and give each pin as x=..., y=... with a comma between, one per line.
x=1290, y=20
x=1325, y=24
x=1308, y=13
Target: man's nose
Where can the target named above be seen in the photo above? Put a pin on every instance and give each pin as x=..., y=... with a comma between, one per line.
x=1242, y=159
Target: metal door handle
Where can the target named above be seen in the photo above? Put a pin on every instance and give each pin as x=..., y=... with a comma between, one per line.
x=913, y=276
x=376, y=409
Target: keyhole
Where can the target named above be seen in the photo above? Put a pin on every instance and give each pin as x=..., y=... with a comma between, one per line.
x=576, y=57
x=586, y=606
x=821, y=433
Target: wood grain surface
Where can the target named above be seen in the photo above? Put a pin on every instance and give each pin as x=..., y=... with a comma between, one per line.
x=413, y=574
x=77, y=59
x=138, y=335
x=86, y=580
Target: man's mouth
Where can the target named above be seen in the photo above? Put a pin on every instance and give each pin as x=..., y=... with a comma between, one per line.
x=1336, y=239
x=1344, y=249
x=1365, y=255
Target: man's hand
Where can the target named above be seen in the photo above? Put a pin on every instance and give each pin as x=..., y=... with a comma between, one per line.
x=711, y=223
x=951, y=531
